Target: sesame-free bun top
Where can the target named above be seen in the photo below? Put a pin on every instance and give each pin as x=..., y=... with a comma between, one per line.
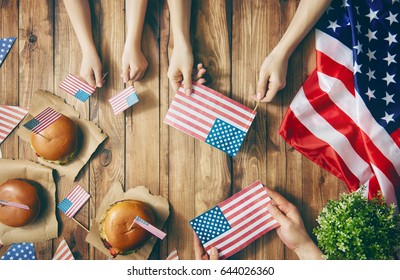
x=117, y=230
x=58, y=143
x=19, y=191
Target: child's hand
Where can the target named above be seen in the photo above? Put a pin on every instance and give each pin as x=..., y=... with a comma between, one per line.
x=91, y=69
x=180, y=67
x=272, y=76
x=200, y=253
x=134, y=64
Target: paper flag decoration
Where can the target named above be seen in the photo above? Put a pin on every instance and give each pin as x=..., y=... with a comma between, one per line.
x=20, y=251
x=74, y=86
x=63, y=252
x=149, y=227
x=124, y=100
x=236, y=222
x=173, y=255
x=5, y=46
x=42, y=120
x=74, y=201
x=211, y=117
x=1, y=245
x=10, y=117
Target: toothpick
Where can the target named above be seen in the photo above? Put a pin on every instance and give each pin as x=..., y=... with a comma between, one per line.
x=102, y=79
x=258, y=103
x=82, y=226
x=44, y=137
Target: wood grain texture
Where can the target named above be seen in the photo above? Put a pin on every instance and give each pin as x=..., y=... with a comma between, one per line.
x=232, y=39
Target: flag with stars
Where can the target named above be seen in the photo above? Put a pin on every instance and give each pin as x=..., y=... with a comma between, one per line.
x=77, y=88
x=10, y=117
x=63, y=252
x=236, y=222
x=20, y=251
x=74, y=201
x=43, y=120
x=124, y=100
x=5, y=46
x=211, y=117
x=346, y=116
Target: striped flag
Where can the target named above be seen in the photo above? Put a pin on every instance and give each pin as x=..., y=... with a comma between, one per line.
x=20, y=251
x=124, y=100
x=211, y=117
x=10, y=117
x=74, y=201
x=77, y=88
x=346, y=116
x=5, y=47
x=43, y=120
x=173, y=255
x=236, y=222
x=63, y=252
x=149, y=227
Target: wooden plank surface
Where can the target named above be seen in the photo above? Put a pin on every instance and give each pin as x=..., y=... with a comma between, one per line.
x=232, y=39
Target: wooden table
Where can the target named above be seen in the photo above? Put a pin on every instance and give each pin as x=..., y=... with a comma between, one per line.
x=231, y=38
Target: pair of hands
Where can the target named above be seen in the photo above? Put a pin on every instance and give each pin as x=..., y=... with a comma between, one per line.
x=291, y=231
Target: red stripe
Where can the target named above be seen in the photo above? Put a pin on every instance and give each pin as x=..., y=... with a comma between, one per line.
x=300, y=138
x=191, y=116
x=330, y=67
x=15, y=113
x=195, y=135
x=218, y=112
x=7, y=123
x=242, y=192
x=396, y=137
x=196, y=109
x=189, y=123
x=360, y=142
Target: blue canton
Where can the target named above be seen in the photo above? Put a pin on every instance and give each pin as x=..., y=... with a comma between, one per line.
x=132, y=99
x=225, y=137
x=20, y=251
x=210, y=224
x=5, y=46
x=371, y=29
x=82, y=95
x=32, y=124
x=64, y=205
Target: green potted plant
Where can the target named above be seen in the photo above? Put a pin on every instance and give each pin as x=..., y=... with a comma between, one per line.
x=354, y=228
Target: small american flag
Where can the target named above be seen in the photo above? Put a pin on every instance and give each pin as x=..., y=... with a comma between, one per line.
x=346, y=117
x=74, y=201
x=20, y=251
x=5, y=46
x=10, y=117
x=236, y=222
x=124, y=100
x=150, y=228
x=63, y=252
x=77, y=88
x=211, y=117
x=173, y=255
x=42, y=120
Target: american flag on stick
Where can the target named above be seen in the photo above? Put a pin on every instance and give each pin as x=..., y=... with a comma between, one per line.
x=42, y=120
x=236, y=222
x=124, y=100
x=149, y=227
x=346, y=116
x=211, y=117
x=63, y=252
x=74, y=201
x=77, y=88
x=10, y=117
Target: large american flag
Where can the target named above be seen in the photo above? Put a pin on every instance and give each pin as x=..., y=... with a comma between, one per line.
x=346, y=116
x=211, y=117
x=10, y=117
x=43, y=120
x=74, y=201
x=77, y=88
x=236, y=222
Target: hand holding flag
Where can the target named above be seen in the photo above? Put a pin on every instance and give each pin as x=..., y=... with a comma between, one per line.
x=77, y=88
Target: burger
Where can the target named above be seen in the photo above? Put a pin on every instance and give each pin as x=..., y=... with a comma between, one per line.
x=120, y=235
x=58, y=143
x=22, y=192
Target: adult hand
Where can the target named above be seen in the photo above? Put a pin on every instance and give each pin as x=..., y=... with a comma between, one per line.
x=272, y=76
x=134, y=64
x=292, y=231
x=198, y=74
x=180, y=67
x=200, y=253
x=91, y=70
